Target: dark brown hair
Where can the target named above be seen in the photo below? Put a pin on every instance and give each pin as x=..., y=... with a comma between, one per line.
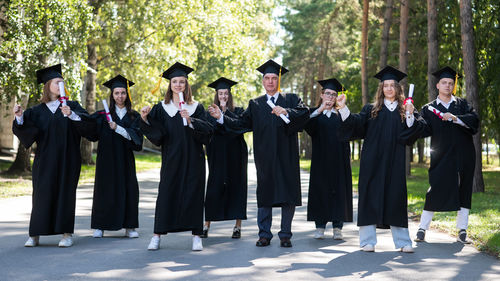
x=112, y=103
x=46, y=92
x=188, y=95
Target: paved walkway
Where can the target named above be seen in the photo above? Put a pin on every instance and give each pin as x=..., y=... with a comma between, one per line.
x=116, y=258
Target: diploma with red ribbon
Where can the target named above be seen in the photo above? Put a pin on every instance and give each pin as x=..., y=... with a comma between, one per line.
x=181, y=106
x=106, y=109
x=436, y=111
x=62, y=95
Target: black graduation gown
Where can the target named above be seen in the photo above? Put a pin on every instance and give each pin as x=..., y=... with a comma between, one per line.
x=227, y=154
x=276, y=149
x=116, y=191
x=382, y=179
x=453, y=157
x=56, y=167
x=330, y=182
x=179, y=205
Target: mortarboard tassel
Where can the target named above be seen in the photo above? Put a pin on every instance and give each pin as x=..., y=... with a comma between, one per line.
x=66, y=91
x=128, y=92
x=157, y=87
x=279, y=81
x=456, y=84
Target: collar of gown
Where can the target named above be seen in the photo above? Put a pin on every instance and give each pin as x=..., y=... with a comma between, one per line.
x=171, y=109
x=438, y=100
x=391, y=105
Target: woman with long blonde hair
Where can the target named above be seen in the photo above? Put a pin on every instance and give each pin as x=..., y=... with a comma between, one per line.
x=386, y=131
x=181, y=128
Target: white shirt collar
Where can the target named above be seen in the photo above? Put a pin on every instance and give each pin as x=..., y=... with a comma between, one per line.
x=120, y=111
x=171, y=109
x=276, y=95
x=446, y=104
x=53, y=105
x=391, y=105
x=328, y=113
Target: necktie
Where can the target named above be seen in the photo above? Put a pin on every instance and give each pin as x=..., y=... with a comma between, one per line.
x=272, y=99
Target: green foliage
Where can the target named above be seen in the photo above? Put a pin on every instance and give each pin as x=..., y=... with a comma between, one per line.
x=41, y=33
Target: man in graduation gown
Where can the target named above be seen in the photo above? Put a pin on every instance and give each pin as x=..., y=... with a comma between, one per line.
x=57, y=130
x=330, y=183
x=116, y=191
x=227, y=155
x=451, y=123
x=276, y=151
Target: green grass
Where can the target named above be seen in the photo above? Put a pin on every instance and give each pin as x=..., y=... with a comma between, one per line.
x=484, y=219
x=12, y=186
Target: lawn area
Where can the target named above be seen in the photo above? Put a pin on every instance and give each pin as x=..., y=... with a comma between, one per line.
x=484, y=220
x=21, y=185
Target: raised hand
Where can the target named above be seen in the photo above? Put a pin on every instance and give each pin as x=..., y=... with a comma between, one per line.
x=214, y=111
x=185, y=114
x=144, y=113
x=112, y=125
x=341, y=100
x=409, y=107
x=66, y=110
x=278, y=110
x=18, y=110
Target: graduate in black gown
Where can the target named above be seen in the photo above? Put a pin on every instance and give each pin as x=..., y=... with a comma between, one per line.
x=330, y=183
x=451, y=123
x=386, y=129
x=116, y=191
x=275, y=149
x=227, y=155
x=56, y=129
x=181, y=133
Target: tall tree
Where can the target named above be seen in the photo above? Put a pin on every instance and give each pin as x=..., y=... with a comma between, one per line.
x=471, y=83
x=364, y=53
x=432, y=49
x=403, y=61
x=384, y=44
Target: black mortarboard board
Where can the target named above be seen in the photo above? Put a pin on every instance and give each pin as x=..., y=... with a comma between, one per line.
x=177, y=70
x=222, y=83
x=118, y=81
x=332, y=84
x=446, y=72
x=390, y=73
x=271, y=66
x=49, y=73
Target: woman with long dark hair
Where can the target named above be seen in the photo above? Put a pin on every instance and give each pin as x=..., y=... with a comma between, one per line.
x=330, y=183
x=179, y=125
x=386, y=130
x=227, y=154
x=116, y=191
x=56, y=125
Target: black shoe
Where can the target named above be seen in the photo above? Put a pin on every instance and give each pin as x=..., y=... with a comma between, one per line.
x=286, y=243
x=420, y=235
x=204, y=234
x=462, y=237
x=263, y=242
x=236, y=232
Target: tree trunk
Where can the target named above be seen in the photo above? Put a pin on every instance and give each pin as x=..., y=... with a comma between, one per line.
x=420, y=148
x=432, y=49
x=471, y=83
x=364, y=53
x=90, y=87
x=403, y=62
x=385, y=33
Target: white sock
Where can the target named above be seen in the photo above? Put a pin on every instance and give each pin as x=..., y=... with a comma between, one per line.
x=463, y=218
x=425, y=219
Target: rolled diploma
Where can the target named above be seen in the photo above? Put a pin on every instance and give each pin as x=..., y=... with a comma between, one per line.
x=271, y=104
x=62, y=93
x=437, y=112
x=181, y=101
x=410, y=95
x=106, y=108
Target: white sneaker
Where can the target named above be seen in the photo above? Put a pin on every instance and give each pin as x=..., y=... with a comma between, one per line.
x=131, y=233
x=197, y=245
x=407, y=249
x=66, y=241
x=368, y=248
x=32, y=241
x=337, y=234
x=154, y=244
x=319, y=234
x=98, y=233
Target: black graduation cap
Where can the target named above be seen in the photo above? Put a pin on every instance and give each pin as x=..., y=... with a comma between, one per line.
x=332, y=84
x=177, y=70
x=390, y=73
x=49, y=73
x=118, y=82
x=222, y=83
x=446, y=72
x=271, y=66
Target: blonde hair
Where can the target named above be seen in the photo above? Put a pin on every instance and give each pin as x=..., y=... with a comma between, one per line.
x=46, y=92
x=379, y=100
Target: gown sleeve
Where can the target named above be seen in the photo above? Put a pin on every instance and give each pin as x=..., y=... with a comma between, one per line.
x=298, y=114
x=410, y=135
x=470, y=118
x=136, y=136
x=355, y=126
x=27, y=132
x=202, y=129
x=312, y=124
x=243, y=121
x=87, y=126
x=154, y=131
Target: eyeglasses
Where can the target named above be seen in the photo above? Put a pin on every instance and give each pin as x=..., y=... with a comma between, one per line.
x=330, y=94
